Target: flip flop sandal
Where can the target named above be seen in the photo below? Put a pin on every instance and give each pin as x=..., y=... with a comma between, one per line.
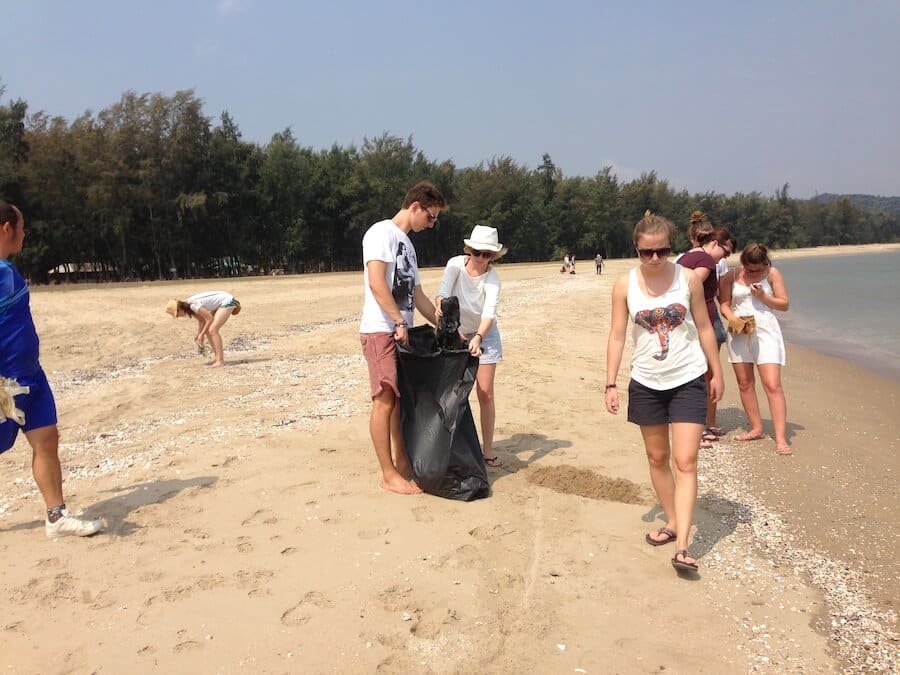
x=494, y=462
x=670, y=536
x=706, y=445
x=709, y=434
x=683, y=564
x=784, y=450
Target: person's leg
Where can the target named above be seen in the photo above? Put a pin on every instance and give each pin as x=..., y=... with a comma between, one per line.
x=656, y=445
x=484, y=387
x=219, y=318
x=47, y=473
x=383, y=406
x=401, y=459
x=743, y=373
x=45, y=463
x=685, y=442
x=770, y=376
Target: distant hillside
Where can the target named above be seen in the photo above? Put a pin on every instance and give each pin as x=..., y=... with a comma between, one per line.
x=870, y=202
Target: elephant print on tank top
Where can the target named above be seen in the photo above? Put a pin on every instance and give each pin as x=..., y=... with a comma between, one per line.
x=661, y=321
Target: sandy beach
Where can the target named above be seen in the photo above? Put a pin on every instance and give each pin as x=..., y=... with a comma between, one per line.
x=247, y=531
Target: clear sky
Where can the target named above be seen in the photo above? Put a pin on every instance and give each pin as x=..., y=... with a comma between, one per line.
x=721, y=95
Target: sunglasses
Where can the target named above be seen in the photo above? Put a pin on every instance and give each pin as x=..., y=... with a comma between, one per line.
x=482, y=254
x=648, y=253
x=724, y=248
x=432, y=217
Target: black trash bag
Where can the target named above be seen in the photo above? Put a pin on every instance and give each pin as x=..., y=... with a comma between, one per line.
x=438, y=427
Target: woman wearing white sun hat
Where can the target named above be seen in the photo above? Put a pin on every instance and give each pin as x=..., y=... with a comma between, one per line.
x=472, y=279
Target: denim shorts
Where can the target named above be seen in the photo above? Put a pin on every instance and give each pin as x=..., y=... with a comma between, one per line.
x=686, y=403
x=38, y=405
x=719, y=329
x=491, y=347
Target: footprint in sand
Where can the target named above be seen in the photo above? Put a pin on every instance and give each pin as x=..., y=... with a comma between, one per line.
x=264, y=516
x=244, y=545
x=486, y=533
x=186, y=646
x=422, y=514
x=394, y=598
x=303, y=611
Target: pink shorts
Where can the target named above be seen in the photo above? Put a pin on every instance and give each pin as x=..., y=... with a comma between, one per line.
x=380, y=350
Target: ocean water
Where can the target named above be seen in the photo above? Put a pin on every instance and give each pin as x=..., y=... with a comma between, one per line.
x=846, y=306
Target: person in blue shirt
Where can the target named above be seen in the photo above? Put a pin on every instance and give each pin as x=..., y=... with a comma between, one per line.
x=33, y=411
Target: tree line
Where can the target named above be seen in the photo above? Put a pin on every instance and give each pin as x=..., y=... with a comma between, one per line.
x=151, y=188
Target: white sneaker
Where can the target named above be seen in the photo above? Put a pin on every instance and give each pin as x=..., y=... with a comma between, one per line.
x=74, y=526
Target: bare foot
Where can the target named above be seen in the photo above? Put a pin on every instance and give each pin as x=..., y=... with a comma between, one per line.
x=751, y=436
x=400, y=485
x=217, y=364
x=783, y=449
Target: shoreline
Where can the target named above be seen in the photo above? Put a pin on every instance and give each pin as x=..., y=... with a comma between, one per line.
x=247, y=528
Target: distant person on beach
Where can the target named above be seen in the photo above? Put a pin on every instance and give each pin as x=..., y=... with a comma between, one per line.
x=26, y=399
x=712, y=248
x=472, y=279
x=393, y=292
x=754, y=337
x=598, y=262
x=674, y=346
x=566, y=264
x=211, y=309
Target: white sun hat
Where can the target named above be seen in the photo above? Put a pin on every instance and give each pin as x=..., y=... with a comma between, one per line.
x=484, y=238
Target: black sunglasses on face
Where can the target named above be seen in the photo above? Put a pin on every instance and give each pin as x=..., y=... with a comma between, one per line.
x=432, y=217
x=482, y=254
x=660, y=253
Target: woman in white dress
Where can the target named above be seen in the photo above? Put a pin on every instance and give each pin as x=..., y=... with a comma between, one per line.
x=473, y=280
x=755, y=290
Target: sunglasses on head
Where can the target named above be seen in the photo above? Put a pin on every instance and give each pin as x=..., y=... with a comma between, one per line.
x=648, y=253
x=482, y=254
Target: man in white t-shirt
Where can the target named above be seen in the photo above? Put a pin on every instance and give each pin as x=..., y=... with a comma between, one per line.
x=393, y=292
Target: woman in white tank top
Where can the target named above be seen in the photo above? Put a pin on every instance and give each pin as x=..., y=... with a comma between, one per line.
x=757, y=289
x=674, y=345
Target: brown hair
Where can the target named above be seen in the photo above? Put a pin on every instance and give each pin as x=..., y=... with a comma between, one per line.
x=186, y=308
x=719, y=234
x=699, y=226
x=653, y=224
x=426, y=194
x=9, y=214
x=755, y=254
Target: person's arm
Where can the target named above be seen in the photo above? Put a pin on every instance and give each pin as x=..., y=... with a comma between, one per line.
x=615, y=344
x=707, y=337
x=424, y=305
x=448, y=282
x=382, y=294
x=779, y=299
x=702, y=273
x=204, y=321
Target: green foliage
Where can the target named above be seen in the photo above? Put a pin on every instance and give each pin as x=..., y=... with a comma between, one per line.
x=149, y=185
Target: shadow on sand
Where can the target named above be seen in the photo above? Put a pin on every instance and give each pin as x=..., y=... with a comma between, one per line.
x=115, y=510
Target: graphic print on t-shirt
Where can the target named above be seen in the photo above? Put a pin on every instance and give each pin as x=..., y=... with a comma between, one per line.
x=661, y=320
x=404, y=278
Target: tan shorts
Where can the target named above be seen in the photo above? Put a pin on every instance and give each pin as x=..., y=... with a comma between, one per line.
x=380, y=350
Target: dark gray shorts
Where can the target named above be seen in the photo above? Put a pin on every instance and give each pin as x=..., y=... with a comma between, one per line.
x=648, y=407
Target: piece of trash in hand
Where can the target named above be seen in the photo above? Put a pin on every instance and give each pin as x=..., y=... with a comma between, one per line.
x=9, y=388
